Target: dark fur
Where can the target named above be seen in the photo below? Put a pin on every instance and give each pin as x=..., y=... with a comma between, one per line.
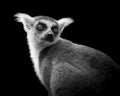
x=89, y=72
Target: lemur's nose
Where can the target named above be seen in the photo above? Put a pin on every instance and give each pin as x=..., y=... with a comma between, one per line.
x=49, y=37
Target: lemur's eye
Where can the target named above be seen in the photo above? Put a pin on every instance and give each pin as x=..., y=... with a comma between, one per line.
x=41, y=26
x=55, y=29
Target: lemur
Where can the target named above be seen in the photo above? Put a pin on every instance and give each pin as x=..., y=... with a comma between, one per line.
x=63, y=67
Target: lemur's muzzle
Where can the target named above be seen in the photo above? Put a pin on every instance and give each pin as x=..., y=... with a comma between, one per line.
x=49, y=37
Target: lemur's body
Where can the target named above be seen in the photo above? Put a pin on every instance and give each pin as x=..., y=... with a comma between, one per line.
x=59, y=63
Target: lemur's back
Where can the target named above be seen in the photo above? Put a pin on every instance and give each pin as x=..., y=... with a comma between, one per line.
x=70, y=67
x=66, y=68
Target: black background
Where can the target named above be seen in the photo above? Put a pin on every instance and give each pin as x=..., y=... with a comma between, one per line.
x=95, y=25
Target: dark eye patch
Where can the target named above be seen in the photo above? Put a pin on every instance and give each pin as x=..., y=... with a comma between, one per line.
x=41, y=26
x=55, y=30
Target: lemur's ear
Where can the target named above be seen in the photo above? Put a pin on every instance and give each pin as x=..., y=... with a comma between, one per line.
x=64, y=22
x=26, y=20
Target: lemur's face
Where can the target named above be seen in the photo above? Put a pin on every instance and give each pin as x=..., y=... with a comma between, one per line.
x=46, y=28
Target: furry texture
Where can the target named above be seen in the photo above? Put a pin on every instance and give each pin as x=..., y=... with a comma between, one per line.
x=69, y=69
x=33, y=43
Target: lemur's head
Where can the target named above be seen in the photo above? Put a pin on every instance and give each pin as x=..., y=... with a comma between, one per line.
x=42, y=28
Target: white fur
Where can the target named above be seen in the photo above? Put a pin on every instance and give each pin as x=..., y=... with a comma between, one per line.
x=34, y=52
x=32, y=43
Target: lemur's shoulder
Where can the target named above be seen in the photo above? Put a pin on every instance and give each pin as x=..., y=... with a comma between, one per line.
x=65, y=49
x=61, y=49
x=54, y=49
